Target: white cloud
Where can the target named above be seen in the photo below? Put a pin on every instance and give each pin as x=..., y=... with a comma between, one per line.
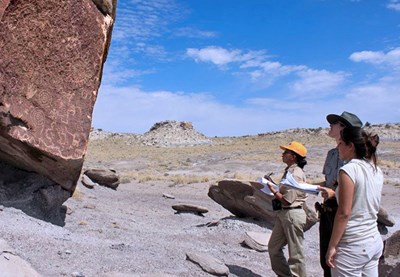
x=265, y=73
x=144, y=20
x=221, y=56
x=391, y=58
x=376, y=102
x=271, y=70
x=394, y=5
x=320, y=81
x=131, y=109
x=194, y=33
x=215, y=55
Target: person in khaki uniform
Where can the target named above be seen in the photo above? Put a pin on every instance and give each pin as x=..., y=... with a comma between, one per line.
x=291, y=218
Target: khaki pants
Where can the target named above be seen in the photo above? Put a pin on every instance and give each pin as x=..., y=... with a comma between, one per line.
x=288, y=230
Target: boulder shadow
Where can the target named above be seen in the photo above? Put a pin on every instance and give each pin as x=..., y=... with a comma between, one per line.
x=242, y=271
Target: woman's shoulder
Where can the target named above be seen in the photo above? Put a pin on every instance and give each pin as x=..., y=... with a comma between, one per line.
x=362, y=164
x=295, y=168
x=297, y=173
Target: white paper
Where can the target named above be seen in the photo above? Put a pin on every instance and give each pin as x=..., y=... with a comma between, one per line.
x=265, y=188
x=291, y=182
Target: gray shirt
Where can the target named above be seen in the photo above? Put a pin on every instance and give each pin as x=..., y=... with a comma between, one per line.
x=331, y=168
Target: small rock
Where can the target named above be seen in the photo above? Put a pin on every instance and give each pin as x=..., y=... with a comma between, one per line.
x=69, y=211
x=208, y=264
x=257, y=240
x=190, y=208
x=170, y=196
x=384, y=218
x=213, y=223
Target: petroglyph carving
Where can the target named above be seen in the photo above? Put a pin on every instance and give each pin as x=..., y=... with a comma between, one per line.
x=52, y=54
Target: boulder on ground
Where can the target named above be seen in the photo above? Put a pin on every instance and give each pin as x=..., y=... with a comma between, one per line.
x=257, y=240
x=384, y=218
x=104, y=177
x=245, y=199
x=208, y=263
x=389, y=264
x=13, y=265
x=189, y=208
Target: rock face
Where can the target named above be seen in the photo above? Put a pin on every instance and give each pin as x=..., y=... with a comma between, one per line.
x=51, y=59
x=32, y=193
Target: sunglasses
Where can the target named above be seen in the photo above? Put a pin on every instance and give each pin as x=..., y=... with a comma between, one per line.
x=338, y=122
x=287, y=152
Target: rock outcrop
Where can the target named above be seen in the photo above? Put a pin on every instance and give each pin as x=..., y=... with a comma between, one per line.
x=51, y=59
x=173, y=133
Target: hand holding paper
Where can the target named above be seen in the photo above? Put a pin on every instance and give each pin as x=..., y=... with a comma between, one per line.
x=265, y=183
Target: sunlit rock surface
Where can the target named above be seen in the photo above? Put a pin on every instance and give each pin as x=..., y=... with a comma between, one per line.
x=51, y=60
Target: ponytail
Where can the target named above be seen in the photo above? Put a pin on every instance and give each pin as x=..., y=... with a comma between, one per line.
x=365, y=143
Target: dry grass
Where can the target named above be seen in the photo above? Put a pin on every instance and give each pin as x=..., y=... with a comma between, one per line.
x=177, y=164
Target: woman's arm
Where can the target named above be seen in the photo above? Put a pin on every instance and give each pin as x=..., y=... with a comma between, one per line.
x=278, y=195
x=346, y=192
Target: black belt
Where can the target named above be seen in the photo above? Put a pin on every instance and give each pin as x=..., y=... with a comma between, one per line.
x=292, y=208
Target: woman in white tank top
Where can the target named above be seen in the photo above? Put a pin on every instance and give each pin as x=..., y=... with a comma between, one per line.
x=356, y=245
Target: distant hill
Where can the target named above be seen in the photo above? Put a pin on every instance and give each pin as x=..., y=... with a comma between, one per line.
x=175, y=133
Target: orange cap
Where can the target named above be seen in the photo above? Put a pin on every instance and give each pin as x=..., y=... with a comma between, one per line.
x=296, y=147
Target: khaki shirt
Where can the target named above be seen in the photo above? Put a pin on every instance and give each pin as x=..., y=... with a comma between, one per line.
x=295, y=197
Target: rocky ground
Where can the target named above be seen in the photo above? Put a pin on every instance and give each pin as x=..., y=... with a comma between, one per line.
x=133, y=231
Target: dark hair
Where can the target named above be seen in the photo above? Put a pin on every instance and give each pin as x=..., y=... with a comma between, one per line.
x=300, y=161
x=365, y=143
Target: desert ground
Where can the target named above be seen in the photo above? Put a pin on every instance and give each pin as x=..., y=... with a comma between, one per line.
x=133, y=231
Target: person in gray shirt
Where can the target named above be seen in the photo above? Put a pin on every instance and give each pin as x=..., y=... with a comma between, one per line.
x=327, y=210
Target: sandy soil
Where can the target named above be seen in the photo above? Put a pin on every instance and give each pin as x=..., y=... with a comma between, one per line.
x=134, y=229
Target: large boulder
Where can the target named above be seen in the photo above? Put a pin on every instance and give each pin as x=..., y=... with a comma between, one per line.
x=389, y=264
x=51, y=60
x=245, y=199
x=104, y=177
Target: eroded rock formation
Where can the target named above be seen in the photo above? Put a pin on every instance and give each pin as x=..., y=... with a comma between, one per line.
x=51, y=59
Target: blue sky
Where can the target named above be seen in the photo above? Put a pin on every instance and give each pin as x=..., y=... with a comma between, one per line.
x=246, y=67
